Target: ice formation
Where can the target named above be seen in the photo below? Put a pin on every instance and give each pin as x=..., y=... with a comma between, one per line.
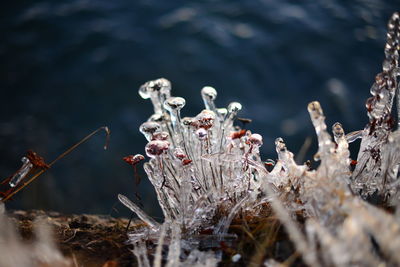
x=206, y=171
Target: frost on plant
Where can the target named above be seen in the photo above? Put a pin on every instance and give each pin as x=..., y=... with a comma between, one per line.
x=206, y=171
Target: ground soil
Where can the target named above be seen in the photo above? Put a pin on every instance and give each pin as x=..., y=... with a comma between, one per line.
x=89, y=240
x=96, y=240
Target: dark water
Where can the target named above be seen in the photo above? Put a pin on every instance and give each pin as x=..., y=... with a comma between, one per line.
x=68, y=67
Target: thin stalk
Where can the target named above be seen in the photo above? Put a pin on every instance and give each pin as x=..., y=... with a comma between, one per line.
x=69, y=150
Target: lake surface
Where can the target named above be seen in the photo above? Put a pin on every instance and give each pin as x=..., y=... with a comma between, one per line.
x=69, y=67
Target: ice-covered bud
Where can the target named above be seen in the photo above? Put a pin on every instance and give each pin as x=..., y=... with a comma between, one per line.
x=144, y=91
x=158, y=90
x=386, y=65
x=154, y=87
x=234, y=107
x=374, y=90
x=205, y=119
x=380, y=80
x=160, y=136
x=174, y=104
x=280, y=145
x=201, y=133
x=156, y=117
x=269, y=163
x=179, y=153
x=133, y=159
x=284, y=155
x=369, y=104
x=186, y=162
x=237, y=135
x=187, y=121
x=148, y=128
x=156, y=148
x=255, y=139
x=315, y=110
x=338, y=131
x=209, y=94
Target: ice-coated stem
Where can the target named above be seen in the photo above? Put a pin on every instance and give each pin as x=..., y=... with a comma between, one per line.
x=158, y=256
x=398, y=105
x=139, y=212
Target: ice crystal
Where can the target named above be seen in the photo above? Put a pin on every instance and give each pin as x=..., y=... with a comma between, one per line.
x=205, y=171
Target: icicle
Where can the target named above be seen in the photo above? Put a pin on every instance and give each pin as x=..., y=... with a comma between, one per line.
x=140, y=251
x=158, y=256
x=174, y=250
x=141, y=214
x=325, y=145
x=22, y=172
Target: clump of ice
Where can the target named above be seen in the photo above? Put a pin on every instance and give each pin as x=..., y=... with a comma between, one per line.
x=205, y=170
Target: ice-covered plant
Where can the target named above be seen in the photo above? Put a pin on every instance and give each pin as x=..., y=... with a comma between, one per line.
x=205, y=171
